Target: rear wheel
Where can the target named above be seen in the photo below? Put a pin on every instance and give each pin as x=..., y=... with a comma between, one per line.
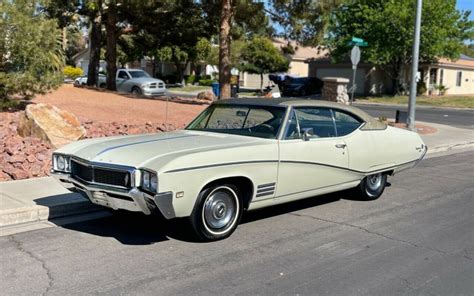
x=102, y=85
x=217, y=212
x=372, y=186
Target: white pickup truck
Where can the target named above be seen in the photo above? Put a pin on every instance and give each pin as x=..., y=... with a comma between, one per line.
x=139, y=82
x=135, y=81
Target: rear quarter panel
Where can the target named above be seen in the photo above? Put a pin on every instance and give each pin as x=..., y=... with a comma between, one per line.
x=395, y=146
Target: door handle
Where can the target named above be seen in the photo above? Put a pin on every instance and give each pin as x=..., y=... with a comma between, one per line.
x=342, y=146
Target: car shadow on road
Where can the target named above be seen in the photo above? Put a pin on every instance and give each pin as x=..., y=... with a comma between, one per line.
x=137, y=229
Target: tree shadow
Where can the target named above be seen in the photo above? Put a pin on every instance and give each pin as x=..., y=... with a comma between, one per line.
x=14, y=105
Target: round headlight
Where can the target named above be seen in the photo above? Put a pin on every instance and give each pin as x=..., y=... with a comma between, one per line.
x=61, y=162
x=153, y=183
x=146, y=179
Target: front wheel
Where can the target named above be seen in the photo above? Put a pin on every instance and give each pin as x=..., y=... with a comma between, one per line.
x=136, y=91
x=372, y=186
x=217, y=212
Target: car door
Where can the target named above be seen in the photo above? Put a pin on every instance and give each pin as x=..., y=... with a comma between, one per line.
x=361, y=145
x=319, y=161
x=122, y=78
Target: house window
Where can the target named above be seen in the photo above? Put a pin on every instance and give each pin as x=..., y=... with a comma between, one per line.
x=458, y=78
x=441, y=76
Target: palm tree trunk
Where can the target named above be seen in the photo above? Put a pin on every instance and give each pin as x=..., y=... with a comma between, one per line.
x=224, y=49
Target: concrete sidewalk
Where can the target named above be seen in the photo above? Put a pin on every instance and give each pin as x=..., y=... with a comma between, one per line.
x=38, y=199
x=43, y=199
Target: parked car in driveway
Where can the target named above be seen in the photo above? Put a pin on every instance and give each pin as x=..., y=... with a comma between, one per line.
x=83, y=80
x=240, y=155
x=301, y=86
x=139, y=82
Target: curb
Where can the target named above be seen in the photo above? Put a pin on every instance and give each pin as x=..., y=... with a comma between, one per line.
x=450, y=147
x=39, y=213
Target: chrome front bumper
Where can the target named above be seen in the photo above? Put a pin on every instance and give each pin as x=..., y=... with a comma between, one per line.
x=132, y=200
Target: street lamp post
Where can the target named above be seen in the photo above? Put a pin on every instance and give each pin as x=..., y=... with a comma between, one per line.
x=414, y=67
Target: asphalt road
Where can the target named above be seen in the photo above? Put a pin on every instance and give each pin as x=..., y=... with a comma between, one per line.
x=453, y=117
x=418, y=239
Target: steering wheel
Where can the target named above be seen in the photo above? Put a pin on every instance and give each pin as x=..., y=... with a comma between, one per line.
x=265, y=128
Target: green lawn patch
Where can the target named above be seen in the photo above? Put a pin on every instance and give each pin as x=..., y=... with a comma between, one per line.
x=459, y=101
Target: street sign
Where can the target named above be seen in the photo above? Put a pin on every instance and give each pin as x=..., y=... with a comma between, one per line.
x=355, y=55
x=357, y=40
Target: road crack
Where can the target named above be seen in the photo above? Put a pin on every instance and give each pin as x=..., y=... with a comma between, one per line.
x=409, y=243
x=21, y=248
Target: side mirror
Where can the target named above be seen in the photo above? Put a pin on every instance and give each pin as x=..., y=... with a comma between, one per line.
x=307, y=133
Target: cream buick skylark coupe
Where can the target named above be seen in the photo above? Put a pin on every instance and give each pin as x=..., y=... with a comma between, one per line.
x=239, y=155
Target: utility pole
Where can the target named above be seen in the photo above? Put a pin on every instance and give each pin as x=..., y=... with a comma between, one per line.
x=414, y=67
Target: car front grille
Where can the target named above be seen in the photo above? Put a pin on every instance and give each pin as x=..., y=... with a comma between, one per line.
x=100, y=175
x=161, y=85
x=152, y=85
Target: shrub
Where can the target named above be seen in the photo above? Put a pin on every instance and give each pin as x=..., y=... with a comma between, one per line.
x=206, y=82
x=190, y=79
x=72, y=72
x=442, y=89
x=420, y=88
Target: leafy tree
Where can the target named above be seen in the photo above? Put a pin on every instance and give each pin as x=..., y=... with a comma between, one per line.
x=305, y=21
x=26, y=67
x=468, y=50
x=387, y=26
x=260, y=56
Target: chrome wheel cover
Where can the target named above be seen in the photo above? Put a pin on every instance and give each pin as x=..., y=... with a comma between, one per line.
x=374, y=183
x=220, y=210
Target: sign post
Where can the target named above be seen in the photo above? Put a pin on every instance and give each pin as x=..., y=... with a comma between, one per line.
x=355, y=59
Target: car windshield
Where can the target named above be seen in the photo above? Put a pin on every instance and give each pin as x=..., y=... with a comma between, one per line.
x=252, y=121
x=139, y=74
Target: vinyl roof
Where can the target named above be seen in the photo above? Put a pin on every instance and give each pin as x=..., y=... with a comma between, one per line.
x=371, y=123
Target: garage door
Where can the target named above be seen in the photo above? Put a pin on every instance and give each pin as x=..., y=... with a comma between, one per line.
x=345, y=73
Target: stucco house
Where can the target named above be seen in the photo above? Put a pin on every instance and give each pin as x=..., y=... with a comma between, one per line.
x=457, y=76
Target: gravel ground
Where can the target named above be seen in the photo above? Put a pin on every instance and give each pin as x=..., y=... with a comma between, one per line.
x=93, y=105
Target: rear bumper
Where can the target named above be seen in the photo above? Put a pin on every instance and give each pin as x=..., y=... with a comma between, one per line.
x=131, y=200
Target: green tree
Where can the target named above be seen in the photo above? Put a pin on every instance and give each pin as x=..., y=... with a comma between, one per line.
x=387, y=26
x=260, y=56
x=31, y=59
x=468, y=50
x=305, y=21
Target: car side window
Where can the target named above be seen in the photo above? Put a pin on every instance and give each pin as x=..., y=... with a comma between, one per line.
x=123, y=75
x=318, y=119
x=345, y=123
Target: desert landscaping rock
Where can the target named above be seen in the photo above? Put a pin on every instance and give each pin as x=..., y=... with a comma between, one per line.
x=47, y=122
x=206, y=96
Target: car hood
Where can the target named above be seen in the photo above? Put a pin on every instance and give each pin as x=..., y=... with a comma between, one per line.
x=138, y=150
